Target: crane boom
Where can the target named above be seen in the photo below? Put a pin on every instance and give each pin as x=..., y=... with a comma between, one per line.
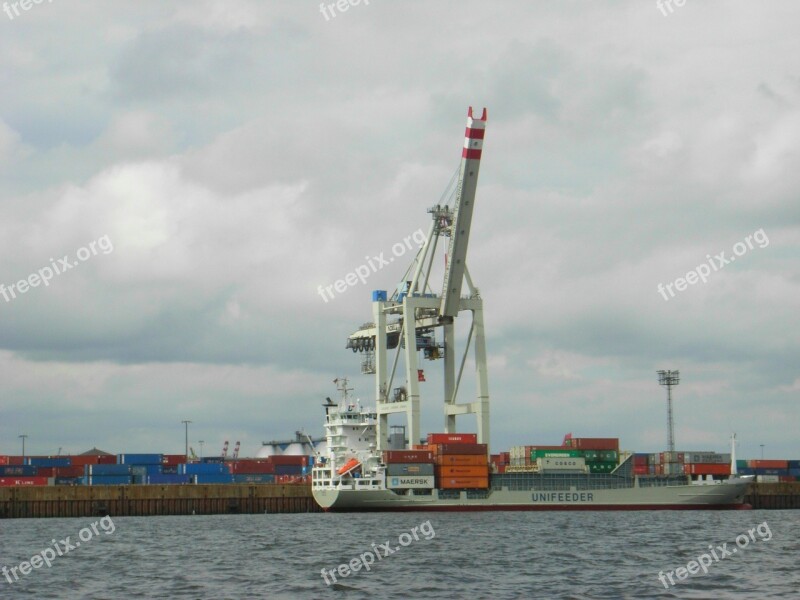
x=462, y=215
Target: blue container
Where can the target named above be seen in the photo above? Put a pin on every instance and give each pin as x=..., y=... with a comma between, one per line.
x=58, y=461
x=170, y=479
x=173, y=470
x=139, y=459
x=794, y=464
x=288, y=470
x=205, y=478
x=794, y=472
x=311, y=461
x=770, y=471
x=18, y=471
x=203, y=469
x=745, y=471
x=68, y=481
x=213, y=459
x=107, y=480
x=379, y=295
x=146, y=470
x=107, y=470
x=253, y=478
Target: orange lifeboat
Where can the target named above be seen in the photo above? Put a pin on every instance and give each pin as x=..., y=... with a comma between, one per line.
x=348, y=466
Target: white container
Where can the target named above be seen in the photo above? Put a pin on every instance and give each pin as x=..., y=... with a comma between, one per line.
x=410, y=482
x=563, y=463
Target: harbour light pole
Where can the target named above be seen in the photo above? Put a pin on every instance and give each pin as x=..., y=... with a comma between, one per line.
x=187, y=439
x=23, y=436
x=201, y=449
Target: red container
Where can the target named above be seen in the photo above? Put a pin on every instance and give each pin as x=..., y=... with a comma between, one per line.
x=659, y=470
x=708, y=469
x=501, y=468
x=252, y=467
x=768, y=464
x=16, y=460
x=80, y=461
x=172, y=460
x=506, y=457
x=46, y=472
x=639, y=460
x=787, y=478
x=452, y=438
x=4, y=460
x=595, y=443
x=285, y=459
x=450, y=471
x=22, y=481
x=73, y=471
x=463, y=460
x=407, y=456
x=462, y=449
x=640, y=469
x=451, y=483
x=107, y=460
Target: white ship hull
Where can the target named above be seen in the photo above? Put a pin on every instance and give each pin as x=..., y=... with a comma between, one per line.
x=727, y=495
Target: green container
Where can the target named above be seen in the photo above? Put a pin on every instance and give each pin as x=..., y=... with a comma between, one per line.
x=591, y=455
x=741, y=464
x=602, y=467
x=609, y=456
x=554, y=454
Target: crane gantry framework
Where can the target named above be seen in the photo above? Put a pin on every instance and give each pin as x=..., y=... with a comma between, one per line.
x=413, y=302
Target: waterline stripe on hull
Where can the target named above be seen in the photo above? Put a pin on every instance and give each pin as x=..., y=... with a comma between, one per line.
x=532, y=507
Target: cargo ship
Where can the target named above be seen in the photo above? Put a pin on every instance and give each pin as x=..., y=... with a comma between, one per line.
x=361, y=470
x=352, y=475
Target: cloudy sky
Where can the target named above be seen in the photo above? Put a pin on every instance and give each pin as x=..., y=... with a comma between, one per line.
x=207, y=165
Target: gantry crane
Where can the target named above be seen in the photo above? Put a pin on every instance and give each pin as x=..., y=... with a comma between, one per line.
x=414, y=303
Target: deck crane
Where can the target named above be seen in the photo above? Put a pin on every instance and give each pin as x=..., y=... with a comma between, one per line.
x=414, y=303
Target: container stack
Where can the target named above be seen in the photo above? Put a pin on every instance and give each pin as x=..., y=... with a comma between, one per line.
x=499, y=462
x=460, y=461
x=770, y=471
x=154, y=469
x=409, y=469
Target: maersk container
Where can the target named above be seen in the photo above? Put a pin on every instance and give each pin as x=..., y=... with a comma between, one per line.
x=253, y=478
x=418, y=469
x=410, y=482
x=139, y=459
x=47, y=461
